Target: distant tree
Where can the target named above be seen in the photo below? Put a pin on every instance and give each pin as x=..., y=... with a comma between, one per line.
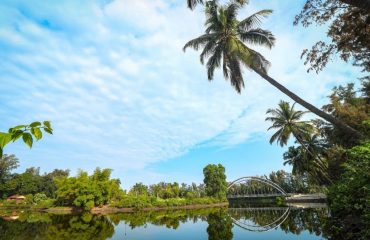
x=7, y=164
x=87, y=191
x=215, y=181
x=139, y=189
x=348, y=24
x=48, y=184
x=27, y=132
x=25, y=183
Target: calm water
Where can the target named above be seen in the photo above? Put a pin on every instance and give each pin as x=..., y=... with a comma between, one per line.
x=213, y=224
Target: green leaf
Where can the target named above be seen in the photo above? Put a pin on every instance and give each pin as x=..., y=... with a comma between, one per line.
x=17, y=134
x=47, y=124
x=37, y=133
x=48, y=130
x=1, y=152
x=35, y=124
x=27, y=139
x=19, y=127
x=5, y=138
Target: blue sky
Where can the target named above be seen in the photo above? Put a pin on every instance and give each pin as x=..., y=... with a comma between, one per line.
x=112, y=78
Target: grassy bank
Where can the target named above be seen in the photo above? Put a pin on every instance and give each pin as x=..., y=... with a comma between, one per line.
x=126, y=204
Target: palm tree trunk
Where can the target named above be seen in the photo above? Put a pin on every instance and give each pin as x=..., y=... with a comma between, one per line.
x=344, y=127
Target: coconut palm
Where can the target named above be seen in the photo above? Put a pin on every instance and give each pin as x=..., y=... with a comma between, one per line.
x=302, y=163
x=224, y=45
x=287, y=121
x=296, y=157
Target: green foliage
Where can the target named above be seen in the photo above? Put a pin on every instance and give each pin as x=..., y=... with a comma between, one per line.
x=139, y=189
x=287, y=121
x=87, y=191
x=351, y=108
x=143, y=201
x=7, y=164
x=215, y=181
x=39, y=197
x=220, y=226
x=349, y=199
x=27, y=132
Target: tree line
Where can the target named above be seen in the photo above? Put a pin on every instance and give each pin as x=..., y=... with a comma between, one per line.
x=58, y=188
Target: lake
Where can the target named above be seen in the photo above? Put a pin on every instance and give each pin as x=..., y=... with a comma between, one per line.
x=271, y=222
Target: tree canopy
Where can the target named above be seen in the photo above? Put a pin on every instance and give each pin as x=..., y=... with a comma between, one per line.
x=215, y=180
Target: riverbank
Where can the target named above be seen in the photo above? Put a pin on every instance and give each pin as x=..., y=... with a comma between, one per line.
x=110, y=209
x=306, y=198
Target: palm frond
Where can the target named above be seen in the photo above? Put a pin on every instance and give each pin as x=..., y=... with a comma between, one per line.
x=275, y=136
x=236, y=77
x=213, y=62
x=225, y=68
x=208, y=50
x=258, y=37
x=193, y=3
x=199, y=41
x=254, y=20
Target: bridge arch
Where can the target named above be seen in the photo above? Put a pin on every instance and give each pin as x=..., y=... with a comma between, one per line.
x=265, y=182
x=251, y=224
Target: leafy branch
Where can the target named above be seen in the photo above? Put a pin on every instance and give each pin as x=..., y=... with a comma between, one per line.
x=27, y=132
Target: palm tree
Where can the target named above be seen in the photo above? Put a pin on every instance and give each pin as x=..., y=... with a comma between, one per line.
x=224, y=45
x=288, y=122
x=295, y=156
x=307, y=156
x=302, y=164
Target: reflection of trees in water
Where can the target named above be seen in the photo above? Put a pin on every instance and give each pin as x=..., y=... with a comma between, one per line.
x=86, y=226
x=298, y=220
x=170, y=219
x=55, y=227
x=311, y=220
x=220, y=226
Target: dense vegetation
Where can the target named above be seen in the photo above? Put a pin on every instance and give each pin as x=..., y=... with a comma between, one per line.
x=86, y=191
x=328, y=159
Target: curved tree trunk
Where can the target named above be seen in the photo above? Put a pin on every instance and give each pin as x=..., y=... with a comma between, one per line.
x=344, y=127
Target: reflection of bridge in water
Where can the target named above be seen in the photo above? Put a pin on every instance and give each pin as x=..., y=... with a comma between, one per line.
x=259, y=219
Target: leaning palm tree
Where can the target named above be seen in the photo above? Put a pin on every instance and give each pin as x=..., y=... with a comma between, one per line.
x=224, y=45
x=287, y=121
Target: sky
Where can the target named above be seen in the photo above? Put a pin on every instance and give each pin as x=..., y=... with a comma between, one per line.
x=112, y=78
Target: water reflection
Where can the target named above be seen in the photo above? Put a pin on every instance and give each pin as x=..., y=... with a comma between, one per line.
x=259, y=219
x=217, y=223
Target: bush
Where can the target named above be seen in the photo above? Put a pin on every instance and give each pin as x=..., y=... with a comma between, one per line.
x=349, y=199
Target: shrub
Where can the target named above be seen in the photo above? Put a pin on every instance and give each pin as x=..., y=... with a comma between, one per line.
x=349, y=199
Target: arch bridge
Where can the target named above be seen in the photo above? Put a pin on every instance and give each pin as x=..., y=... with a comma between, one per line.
x=254, y=187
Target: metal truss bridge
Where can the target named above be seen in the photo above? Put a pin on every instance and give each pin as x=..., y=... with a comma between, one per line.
x=254, y=187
